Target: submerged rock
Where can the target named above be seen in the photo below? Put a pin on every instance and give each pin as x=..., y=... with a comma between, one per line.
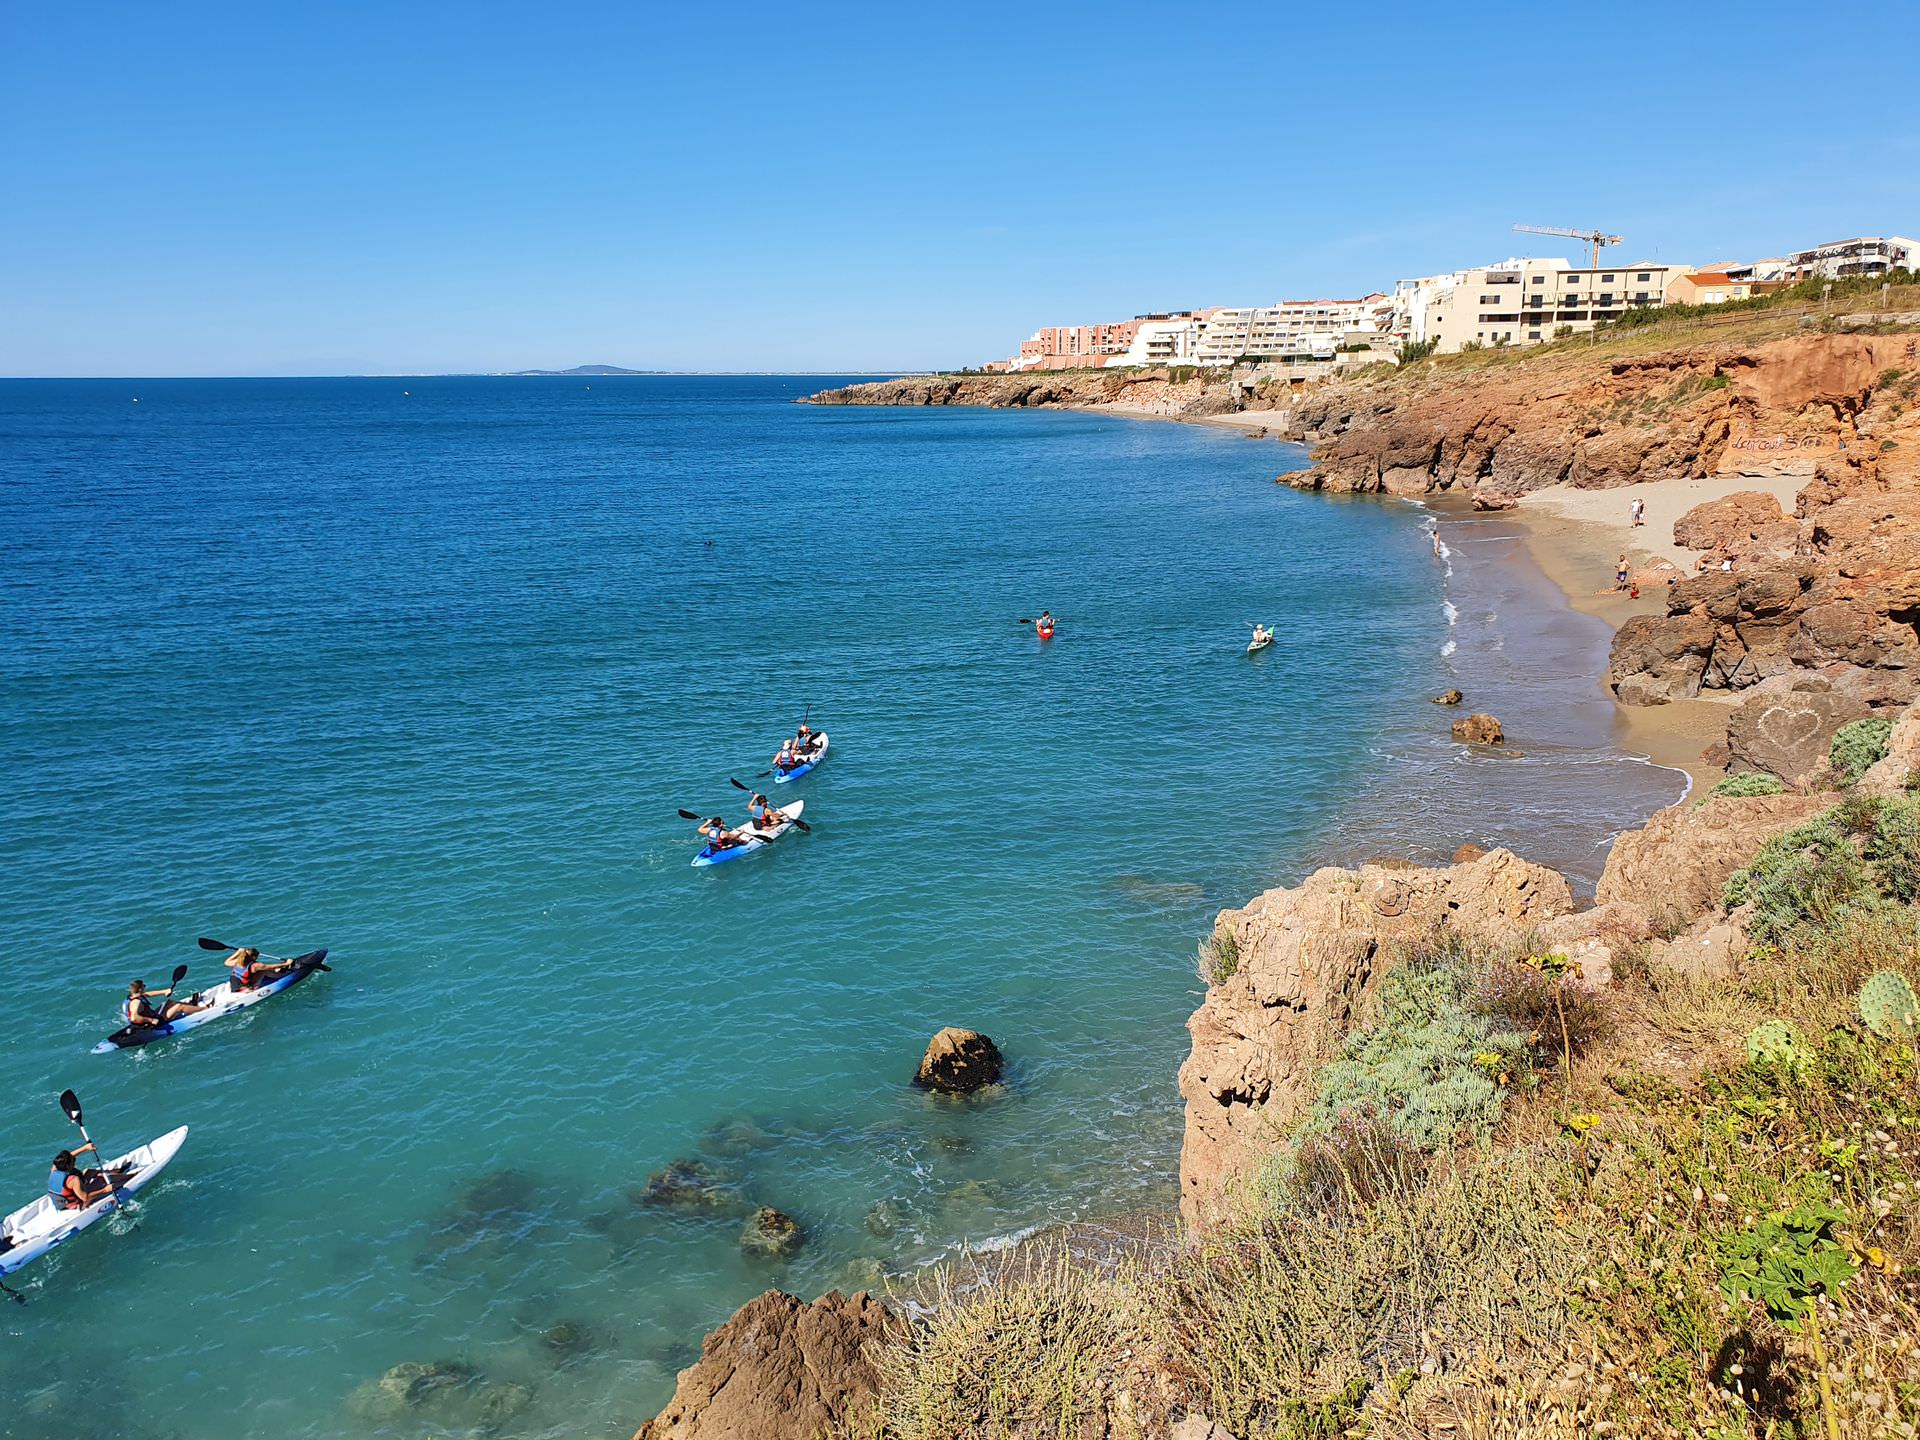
x=772, y=1234
x=733, y=1138
x=1479, y=729
x=958, y=1062
x=687, y=1185
x=567, y=1339
x=1448, y=697
x=883, y=1218
x=431, y=1388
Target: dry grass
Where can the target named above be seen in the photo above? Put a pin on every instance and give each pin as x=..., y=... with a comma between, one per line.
x=1031, y=1351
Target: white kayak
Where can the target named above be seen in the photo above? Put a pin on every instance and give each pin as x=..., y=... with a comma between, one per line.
x=33, y=1230
x=220, y=1001
x=809, y=758
x=1259, y=642
x=757, y=837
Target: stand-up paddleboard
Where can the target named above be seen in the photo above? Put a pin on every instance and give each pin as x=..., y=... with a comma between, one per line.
x=221, y=1001
x=33, y=1230
x=758, y=837
x=814, y=757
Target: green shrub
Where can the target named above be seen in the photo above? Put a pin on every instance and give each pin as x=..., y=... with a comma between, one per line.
x=1860, y=857
x=1857, y=746
x=1754, y=782
x=1427, y=1070
x=1219, y=957
x=1412, y=350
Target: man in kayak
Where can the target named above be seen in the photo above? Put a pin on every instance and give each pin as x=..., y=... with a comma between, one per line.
x=719, y=837
x=248, y=972
x=762, y=813
x=1045, y=623
x=139, y=1009
x=804, y=743
x=73, y=1188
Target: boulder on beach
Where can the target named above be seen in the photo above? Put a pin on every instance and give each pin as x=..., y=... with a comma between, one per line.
x=958, y=1062
x=1468, y=853
x=1448, y=697
x=1479, y=729
x=772, y=1234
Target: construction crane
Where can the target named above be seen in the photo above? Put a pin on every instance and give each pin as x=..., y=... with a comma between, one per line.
x=1595, y=238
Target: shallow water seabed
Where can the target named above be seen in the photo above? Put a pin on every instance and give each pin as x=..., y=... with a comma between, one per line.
x=423, y=678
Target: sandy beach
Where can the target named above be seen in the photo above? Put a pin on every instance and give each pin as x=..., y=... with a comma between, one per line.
x=1577, y=536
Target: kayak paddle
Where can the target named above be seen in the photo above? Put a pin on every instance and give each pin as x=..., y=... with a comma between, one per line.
x=792, y=820
x=206, y=944
x=70, y=1103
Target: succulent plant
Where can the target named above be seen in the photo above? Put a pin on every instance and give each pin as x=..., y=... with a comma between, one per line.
x=1888, y=1006
x=1776, y=1044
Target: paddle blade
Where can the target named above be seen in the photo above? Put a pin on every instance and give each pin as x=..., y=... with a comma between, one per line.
x=802, y=827
x=179, y=974
x=738, y=786
x=689, y=815
x=206, y=944
x=70, y=1103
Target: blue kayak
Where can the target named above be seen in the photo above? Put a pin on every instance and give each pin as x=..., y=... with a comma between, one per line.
x=758, y=837
x=817, y=754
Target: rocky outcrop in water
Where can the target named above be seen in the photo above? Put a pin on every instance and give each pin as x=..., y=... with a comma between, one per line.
x=958, y=1062
x=780, y=1370
x=772, y=1234
x=1479, y=729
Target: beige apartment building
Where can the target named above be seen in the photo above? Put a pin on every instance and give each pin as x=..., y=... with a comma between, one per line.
x=1526, y=301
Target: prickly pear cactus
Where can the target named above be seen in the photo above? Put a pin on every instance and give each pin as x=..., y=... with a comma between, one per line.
x=1888, y=1006
x=1776, y=1044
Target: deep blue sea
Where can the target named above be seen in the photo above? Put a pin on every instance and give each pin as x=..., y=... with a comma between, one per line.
x=421, y=670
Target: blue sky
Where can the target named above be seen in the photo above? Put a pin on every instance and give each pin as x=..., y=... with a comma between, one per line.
x=346, y=188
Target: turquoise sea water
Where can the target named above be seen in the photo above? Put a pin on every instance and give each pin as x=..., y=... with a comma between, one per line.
x=423, y=677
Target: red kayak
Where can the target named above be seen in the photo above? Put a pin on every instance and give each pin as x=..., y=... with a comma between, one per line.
x=1045, y=631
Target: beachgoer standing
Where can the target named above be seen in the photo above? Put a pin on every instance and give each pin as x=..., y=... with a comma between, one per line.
x=1639, y=512
x=1620, y=572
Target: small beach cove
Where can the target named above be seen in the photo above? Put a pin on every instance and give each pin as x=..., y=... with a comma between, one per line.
x=474, y=651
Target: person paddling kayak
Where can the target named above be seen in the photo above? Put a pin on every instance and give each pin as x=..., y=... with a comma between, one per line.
x=718, y=836
x=73, y=1188
x=1044, y=624
x=248, y=971
x=141, y=1013
x=1262, y=635
x=759, y=810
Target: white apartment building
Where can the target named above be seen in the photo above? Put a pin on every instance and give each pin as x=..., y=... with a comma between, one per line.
x=1292, y=330
x=1162, y=342
x=1843, y=259
x=1524, y=301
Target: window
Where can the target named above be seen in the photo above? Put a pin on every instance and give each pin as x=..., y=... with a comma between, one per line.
x=1573, y=279
x=1489, y=299
x=1606, y=279
x=1643, y=277
x=1533, y=334
x=1639, y=295
x=1541, y=279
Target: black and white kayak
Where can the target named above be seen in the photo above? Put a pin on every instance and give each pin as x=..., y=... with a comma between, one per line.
x=33, y=1230
x=221, y=1001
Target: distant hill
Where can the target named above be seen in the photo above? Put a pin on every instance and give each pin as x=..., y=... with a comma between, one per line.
x=587, y=370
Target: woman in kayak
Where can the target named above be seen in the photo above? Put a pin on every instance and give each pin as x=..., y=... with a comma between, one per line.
x=760, y=811
x=804, y=742
x=71, y=1187
x=719, y=837
x=139, y=1010
x=786, y=759
x=1261, y=634
x=249, y=972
